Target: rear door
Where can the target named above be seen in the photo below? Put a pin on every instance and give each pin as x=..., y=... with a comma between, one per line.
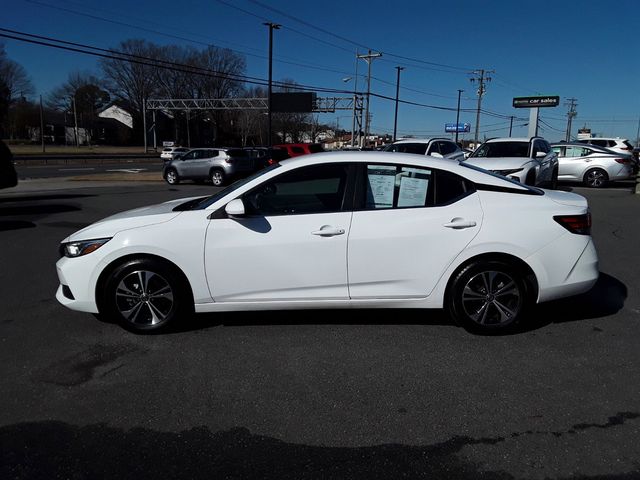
x=409, y=225
x=546, y=163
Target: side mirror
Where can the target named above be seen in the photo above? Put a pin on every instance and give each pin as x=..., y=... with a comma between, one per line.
x=540, y=155
x=235, y=208
x=436, y=155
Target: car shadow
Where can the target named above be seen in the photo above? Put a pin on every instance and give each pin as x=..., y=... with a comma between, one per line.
x=37, y=209
x=6, y=225
x=36, y=198
x=606, y=298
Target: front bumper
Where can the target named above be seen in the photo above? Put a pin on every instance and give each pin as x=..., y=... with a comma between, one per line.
x=79, y=293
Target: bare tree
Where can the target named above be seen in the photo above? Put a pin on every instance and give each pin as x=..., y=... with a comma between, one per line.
x=15, y=79
x=84, y=87
x=130, y=81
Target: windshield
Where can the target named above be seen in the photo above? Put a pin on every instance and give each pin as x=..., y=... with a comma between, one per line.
x=201, y=204
x=502, y=149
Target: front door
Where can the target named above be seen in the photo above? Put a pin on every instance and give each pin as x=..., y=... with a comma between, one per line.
x=290, y=245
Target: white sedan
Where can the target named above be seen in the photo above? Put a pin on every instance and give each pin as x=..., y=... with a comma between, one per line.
x=336, y=230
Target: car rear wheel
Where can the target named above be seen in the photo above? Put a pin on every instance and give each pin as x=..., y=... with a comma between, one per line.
x=172, y=177
x=488, y=297
x=218, y=178
x=595, y=178
x=145, y=295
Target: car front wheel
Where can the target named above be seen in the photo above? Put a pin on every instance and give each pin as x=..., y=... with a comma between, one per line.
x=172, y=177
x=145, y=295
x=488, y=297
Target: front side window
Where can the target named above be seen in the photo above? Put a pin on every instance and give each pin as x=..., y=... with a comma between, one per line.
x=307, y=190
x=447, y=147
x=559, y=151
x=190, y=155
x=298, y=150
x=418, y=148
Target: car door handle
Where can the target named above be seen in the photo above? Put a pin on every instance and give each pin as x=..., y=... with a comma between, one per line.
x=459, y=223
x=328, y=231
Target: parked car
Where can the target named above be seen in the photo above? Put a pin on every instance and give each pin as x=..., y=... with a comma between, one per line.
x=527, y=160
x=216, y=165
x=410, y=231
x=169, y=153
x=297, y=149
x=265, y=156
x=591, y=165
x=620, y=145
x=436, y=147
x=8, y=175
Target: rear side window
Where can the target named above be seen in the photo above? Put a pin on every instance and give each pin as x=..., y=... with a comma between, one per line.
x=600, y=143
x=298, y=150
x=401, y=186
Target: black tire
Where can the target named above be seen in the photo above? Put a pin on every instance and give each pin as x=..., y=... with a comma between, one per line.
x=488, y=297
x=595, y=178
x=171, y=177
x=218, y=177
x=531, y=178
x=554, y=180
x=146, y=295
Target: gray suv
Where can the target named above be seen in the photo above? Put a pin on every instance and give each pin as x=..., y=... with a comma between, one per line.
x=216, y=165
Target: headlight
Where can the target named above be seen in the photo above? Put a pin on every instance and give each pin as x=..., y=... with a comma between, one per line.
x=78, y=249
x=508, y=172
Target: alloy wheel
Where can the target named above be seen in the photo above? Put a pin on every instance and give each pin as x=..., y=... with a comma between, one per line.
x=217, y=178
x=596, y=178
x=144, y=298
x=172, y=177
x=491, y=298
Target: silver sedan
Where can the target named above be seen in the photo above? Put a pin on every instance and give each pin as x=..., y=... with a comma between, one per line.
x=591, y=165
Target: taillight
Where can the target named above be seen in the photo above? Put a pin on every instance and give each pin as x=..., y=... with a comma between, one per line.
x=579, y=224
x=271, y=161
x=622, y=160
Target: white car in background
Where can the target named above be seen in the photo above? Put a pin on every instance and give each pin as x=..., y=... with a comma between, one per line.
x=435, y=147
x=591, y=165
x=169, y=153
x=338, y=230
x=530, y=161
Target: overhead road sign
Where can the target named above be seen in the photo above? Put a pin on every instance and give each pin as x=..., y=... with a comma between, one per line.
x=457, y=127
x=536, y=102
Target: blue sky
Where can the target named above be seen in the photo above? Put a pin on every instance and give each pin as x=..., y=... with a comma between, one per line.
x=587, y=50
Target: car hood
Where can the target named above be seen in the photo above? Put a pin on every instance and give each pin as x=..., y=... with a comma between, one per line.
x=498, y=163
x=138, y=217
x=566, y=198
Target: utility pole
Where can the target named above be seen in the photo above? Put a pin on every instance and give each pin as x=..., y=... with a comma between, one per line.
x=395, y=118
x=572, y=103
x=482, y=78
x=458, y=114
x=355, y=101
x=368, y=58
x=272, y=26
x=41, y=124
x=75, y=120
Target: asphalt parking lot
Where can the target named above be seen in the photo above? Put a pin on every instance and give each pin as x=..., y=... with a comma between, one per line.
x=341, y=394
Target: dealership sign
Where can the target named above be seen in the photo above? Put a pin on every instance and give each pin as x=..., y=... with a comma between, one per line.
x=457, y=127
x=536, y=102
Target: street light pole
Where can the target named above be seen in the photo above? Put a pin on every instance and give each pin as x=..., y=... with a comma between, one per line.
x=395, y=118
x=368, y=58
x=272, y=26
x=458, y=114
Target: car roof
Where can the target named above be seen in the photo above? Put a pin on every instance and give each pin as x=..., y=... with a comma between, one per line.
x=396, y=158
x=419, y=140
x=511, y=139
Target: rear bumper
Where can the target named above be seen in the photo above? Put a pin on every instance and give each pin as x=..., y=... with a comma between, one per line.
x=580, y=278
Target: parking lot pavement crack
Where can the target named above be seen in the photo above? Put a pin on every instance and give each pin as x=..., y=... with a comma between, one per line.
x=83, y=366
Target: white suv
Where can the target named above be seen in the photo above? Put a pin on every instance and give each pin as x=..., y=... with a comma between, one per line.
x=526, y=160
x=620, y=145
x=436, y=147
